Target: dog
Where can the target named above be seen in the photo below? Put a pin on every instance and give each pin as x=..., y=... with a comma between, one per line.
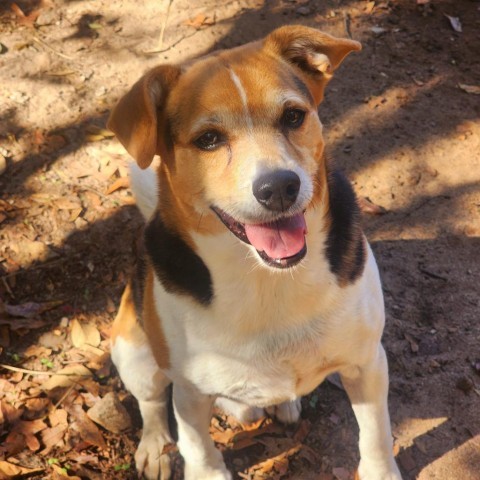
x=255, y=281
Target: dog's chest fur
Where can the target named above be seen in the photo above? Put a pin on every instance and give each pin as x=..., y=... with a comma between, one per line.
x=266, y=337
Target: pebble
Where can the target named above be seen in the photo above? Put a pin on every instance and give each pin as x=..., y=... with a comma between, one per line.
x=304, y=11
x=110, y=414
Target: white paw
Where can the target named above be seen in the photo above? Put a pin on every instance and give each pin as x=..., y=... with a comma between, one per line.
x=194, y=472
x=149, y=459
x=386, y=470
x=242, y=412
x=287, y=412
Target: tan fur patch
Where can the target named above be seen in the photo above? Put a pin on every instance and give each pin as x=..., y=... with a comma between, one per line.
x=125, y=324
x=153, y=324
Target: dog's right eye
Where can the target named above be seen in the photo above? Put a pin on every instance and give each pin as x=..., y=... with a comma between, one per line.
x=209, y=140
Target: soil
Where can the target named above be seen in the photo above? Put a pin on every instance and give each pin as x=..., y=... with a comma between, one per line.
x=401, y=118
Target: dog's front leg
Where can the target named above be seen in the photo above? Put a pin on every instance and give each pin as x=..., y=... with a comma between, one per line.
x=193, y=412
x=367, y=388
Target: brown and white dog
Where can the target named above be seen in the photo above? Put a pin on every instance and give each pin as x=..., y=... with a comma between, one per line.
x=256, y=281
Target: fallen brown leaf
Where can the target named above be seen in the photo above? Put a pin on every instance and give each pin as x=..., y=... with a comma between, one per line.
x=20, y=323
x=51, y=437
x=10, y=471
x=31, y=309
x=66, y=377
x=475, y=89
x=88, y=431
x=85, y=334
x=27, y=20
x=28, y=429
x=367, y=206
x=341, y=473
x=200, y=21
x=119, y=183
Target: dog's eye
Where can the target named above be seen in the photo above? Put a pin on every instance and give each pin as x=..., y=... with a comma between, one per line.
x=209, y=140
x=293, y=118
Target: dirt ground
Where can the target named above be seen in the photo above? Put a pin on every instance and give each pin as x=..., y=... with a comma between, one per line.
x=401, y=118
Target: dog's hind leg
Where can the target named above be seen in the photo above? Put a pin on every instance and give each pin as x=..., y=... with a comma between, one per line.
x=139, y=371
x=242, y=412
x=286, y=412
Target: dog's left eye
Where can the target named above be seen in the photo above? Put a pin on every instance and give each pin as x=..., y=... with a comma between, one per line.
x=209, y=140
x=293, y=118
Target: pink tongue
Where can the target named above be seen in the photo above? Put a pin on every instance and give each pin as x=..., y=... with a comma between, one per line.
x=281, y=239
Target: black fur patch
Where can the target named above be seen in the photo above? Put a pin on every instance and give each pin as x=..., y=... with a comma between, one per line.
x=345, y=243
x=177, y=266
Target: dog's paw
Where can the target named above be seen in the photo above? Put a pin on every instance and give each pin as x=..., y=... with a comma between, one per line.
x=387, y=470
x=194, y=472
x=287, y=412
x=242, y=412
x=150, y=461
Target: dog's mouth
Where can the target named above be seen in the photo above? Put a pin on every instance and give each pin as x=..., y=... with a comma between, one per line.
x=279, y=244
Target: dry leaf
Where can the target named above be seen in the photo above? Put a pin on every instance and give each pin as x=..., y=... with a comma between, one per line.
x=30, y=309
x=475, y=89
x=85, y=334
x=302, y=431
x=413, y=343
x=10, y=471
x=455, y=23
x=58, y=417
x=3, y=164
x=27, y=429
x=369, y=7
x=123, y=182
x=51, y=437
x=367, y=206
x=66, y=204
x=200, y=20
x=341, y=473
x=66, y=377
x=16, y=324
x=88, y=431
x=27, y=20
x=74, y=214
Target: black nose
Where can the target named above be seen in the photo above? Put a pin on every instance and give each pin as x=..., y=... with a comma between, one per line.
x=277, y=190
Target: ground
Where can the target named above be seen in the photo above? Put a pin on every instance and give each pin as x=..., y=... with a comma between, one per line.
x=401, y=118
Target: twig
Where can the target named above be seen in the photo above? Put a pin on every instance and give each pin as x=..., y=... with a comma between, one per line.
x=164, y=25
x=39, y=372
x=41, y=42
x=432, y=275
x=7, y=286
x=63, y=397
x=183, y=37
x=346, y=23
x=162, y=32
x=36, y=267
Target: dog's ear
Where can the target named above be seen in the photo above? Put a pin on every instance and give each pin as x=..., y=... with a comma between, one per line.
x=317, y=54
x=137, y=119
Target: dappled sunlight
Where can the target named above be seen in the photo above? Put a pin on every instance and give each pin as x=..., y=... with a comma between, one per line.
x=408, y=429
x=465, y=457
x=395, y=121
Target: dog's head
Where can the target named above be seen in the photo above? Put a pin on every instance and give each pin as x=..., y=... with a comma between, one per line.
x=239, y=137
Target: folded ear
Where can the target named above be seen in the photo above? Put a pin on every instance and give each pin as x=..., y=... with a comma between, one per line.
x=316, y=53
x=136, y=120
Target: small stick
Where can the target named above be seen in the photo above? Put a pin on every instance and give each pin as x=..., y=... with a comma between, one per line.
x=41, y=42
x=346, y=22
x=38, y=372
x=164, y=25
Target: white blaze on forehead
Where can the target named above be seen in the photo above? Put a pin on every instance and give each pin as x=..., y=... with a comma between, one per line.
x=243, y=96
